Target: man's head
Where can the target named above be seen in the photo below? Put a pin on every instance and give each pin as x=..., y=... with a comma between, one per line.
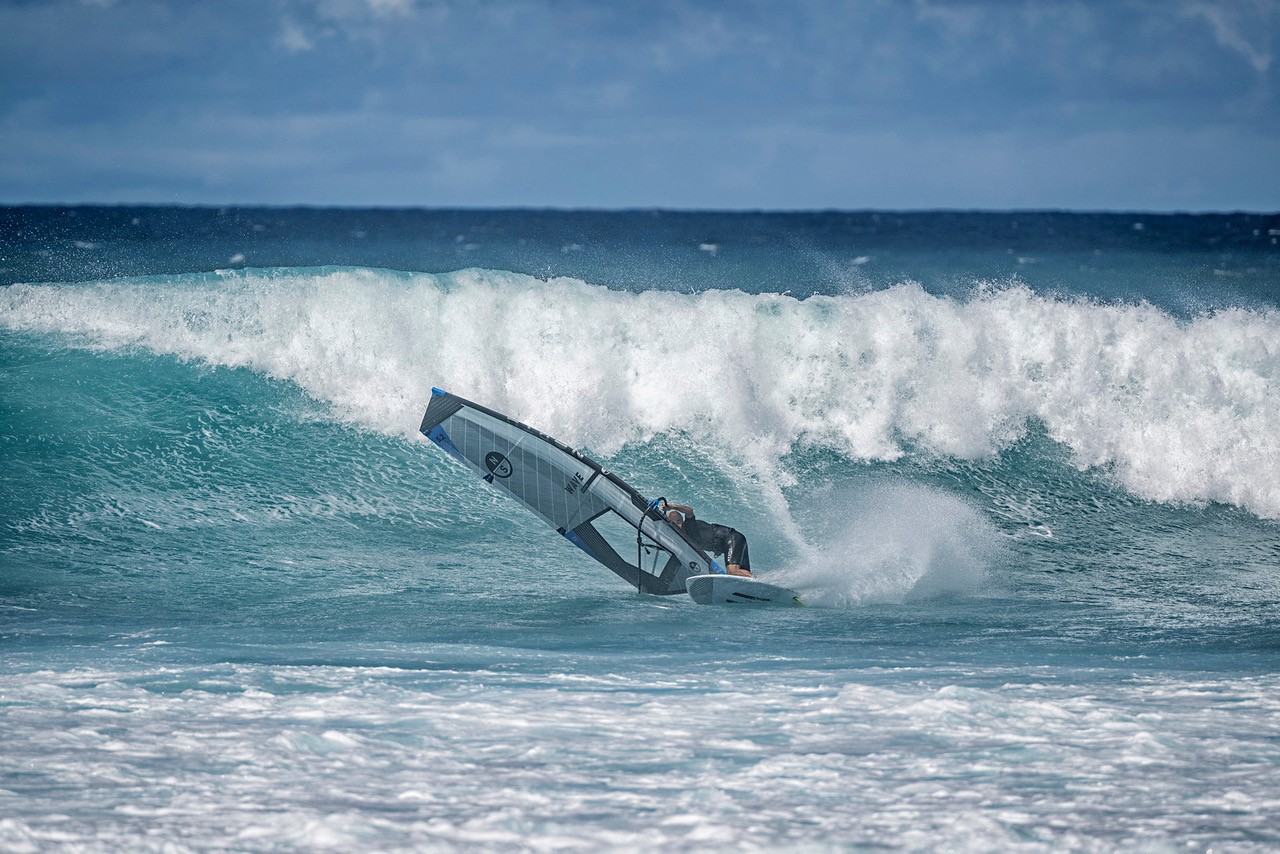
x=674, y=517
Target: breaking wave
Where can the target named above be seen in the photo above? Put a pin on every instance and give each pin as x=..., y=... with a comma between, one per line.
x=1173, y=410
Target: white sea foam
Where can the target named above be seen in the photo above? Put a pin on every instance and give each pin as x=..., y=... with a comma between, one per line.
x=369, y=758
x=1176, y=411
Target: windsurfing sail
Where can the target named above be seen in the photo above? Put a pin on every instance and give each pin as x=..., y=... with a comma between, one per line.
x=591, y=507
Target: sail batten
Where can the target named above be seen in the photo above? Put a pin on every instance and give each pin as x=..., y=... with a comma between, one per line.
x=588, y=505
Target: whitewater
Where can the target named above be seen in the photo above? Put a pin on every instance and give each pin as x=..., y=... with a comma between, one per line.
x=1029, y=491
x=1174, y=411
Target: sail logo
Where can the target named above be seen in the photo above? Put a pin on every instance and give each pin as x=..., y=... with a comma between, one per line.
x=574, y=485
x=498, y=466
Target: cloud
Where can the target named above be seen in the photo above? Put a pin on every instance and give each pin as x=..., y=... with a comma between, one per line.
x=373, y=22
x=468, y=172
x=1230, y=22
x=680, y=102
x=390, y=7
x=346, y=10
x=293, y=38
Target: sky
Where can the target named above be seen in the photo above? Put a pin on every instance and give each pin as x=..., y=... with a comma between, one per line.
x=754, y=104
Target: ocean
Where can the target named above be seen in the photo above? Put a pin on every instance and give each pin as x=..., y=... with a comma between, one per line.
x=1023, y=468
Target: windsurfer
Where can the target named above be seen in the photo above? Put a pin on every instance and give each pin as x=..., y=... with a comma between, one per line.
x=712, y=538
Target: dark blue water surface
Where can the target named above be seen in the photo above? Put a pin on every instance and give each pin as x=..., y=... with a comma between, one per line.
x=1165, y=258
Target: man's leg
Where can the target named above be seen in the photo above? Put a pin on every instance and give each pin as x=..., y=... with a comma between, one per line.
x=736, y=559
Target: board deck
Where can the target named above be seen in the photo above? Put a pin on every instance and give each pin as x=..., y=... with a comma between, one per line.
x=736, y=590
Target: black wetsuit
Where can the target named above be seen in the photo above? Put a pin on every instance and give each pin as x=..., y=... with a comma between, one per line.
x=719, y=540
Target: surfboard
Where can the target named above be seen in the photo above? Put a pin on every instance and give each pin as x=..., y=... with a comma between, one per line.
x=737, y=590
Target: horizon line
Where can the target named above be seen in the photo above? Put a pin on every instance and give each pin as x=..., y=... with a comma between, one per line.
x=643, y=209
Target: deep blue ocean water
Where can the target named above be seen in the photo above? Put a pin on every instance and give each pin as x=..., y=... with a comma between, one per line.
x=1024, y=467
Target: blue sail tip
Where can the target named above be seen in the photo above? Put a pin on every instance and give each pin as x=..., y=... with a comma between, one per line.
x=438, y=392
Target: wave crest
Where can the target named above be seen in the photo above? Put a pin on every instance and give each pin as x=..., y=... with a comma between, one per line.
x=1176, y=411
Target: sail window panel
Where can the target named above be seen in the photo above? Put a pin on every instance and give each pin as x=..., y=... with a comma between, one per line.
x=540, y=474
x=621, y=537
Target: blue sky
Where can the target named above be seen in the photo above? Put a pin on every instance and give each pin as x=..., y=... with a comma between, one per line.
x=1125, y=104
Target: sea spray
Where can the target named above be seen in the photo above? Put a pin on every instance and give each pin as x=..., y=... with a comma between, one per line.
x=891, y=543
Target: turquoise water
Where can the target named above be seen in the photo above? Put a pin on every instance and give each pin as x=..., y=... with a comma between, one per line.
x=244, y=606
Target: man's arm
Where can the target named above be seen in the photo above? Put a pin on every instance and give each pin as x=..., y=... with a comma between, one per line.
x=683, y=508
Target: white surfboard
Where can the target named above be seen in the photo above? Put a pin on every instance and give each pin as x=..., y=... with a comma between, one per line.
x=737, y=590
